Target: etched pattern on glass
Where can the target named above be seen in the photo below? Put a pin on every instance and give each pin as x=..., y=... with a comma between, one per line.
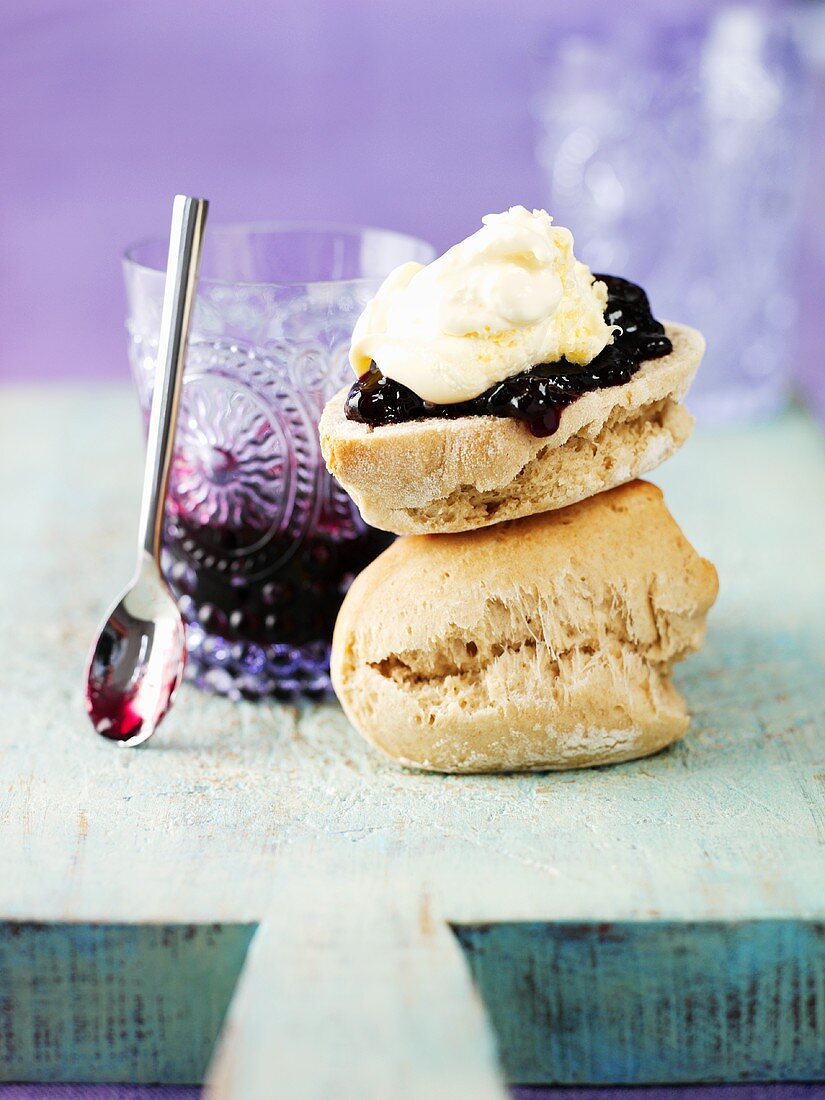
x=253, y=518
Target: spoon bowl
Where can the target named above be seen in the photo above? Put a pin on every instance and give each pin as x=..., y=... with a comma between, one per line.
x=137, y=663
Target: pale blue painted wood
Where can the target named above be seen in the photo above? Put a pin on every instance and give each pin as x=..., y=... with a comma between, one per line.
x=355, y=975
x=727, y=826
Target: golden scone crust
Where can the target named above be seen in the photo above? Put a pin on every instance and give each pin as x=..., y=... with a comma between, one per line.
x=438, y=476
x=545, y=642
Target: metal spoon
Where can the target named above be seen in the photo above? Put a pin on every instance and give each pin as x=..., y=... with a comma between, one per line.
x=137, y=662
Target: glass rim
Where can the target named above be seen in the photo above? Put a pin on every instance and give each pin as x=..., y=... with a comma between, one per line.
x=274, y=228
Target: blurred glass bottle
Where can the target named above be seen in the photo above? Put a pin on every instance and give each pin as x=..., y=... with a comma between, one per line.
x=673, y=147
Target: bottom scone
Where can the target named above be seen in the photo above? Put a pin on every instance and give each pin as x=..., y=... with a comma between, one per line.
x=545, y=642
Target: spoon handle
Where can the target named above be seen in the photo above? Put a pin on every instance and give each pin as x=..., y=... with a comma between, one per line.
x=185, y=241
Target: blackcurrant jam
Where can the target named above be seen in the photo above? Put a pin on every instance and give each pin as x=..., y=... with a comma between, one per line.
x=267, y=634
x=539, y=395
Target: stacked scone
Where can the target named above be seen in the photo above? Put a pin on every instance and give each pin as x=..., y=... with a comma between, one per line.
x=530, y=616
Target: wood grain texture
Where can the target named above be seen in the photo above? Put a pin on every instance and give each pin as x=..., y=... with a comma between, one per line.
x=712, y=1001
x=409, y=1023
x=132, y=1001
x=210, y=822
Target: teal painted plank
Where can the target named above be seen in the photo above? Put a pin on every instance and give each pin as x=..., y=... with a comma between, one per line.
x=598, y=1004
x=137, y=1003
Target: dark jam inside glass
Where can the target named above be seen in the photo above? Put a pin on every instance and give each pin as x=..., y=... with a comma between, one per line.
x=539, y=395
x=267, y=635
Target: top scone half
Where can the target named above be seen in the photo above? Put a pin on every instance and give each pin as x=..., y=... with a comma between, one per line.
x=504, y=380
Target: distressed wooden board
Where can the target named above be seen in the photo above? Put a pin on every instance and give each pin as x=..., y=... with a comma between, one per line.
x=354, y=974
x=236, y=811
x=136, y=1001
x=686, y=995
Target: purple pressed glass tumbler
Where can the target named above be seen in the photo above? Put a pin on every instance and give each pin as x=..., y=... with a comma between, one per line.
x=260, y=544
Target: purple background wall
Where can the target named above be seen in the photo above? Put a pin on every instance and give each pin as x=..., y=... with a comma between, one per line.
x=408, y=115
x=412, y=114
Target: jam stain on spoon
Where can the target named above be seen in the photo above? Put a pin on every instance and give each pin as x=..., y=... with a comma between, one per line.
x=138, y=659
x=138, y=662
